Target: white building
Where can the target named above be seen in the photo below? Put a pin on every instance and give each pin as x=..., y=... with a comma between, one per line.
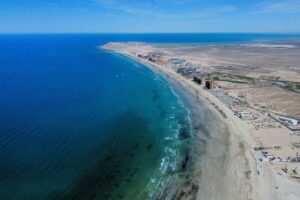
x=289, y=120
x=242, y=114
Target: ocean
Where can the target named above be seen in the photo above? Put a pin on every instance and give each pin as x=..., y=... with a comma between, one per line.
x=78, y=122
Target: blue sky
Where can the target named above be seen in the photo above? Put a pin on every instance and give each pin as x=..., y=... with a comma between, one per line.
x=139, y=16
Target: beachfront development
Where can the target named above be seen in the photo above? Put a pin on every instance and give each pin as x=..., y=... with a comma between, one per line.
x=255, y=88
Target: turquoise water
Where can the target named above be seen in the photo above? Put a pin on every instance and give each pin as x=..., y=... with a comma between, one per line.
x=77, y=122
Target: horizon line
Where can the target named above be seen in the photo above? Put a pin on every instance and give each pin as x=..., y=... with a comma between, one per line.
x=148, y=33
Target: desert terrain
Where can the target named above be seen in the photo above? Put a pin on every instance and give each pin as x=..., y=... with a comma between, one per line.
x=256, y=88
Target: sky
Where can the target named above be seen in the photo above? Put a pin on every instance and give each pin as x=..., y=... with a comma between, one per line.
x=149, y=16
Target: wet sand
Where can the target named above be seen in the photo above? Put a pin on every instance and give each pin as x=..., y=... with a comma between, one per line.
x=219, y=166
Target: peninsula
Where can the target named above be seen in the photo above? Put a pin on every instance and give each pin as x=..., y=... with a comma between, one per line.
x=253, y=90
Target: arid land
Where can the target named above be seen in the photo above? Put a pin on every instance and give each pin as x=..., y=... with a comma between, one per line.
x=255, y=89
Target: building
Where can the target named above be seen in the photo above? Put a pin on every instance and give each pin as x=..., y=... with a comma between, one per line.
x=198, y=80
x=186, y=72
x=242, y=115
x=141, y=55
x=209, y=84
x=289, y=121
x=177, y=61
x=153, y=59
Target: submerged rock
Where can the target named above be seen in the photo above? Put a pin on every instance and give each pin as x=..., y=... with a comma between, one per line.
x=183, y=133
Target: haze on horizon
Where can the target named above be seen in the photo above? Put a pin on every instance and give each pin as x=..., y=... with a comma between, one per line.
x=135, y=16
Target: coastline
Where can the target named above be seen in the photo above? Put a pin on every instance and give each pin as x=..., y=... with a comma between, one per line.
x=220, y=156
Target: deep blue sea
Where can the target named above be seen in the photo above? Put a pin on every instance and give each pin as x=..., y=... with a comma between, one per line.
x=77, y=122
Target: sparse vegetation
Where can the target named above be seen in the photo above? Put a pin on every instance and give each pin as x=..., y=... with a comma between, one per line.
x=216, y=76
x=290, y=84
x=243, y=77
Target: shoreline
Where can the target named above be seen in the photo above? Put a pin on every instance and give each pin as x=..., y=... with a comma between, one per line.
x=220, y=156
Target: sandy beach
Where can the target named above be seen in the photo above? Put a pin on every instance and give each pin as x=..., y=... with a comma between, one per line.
x=223, y=164
x=220, y=165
